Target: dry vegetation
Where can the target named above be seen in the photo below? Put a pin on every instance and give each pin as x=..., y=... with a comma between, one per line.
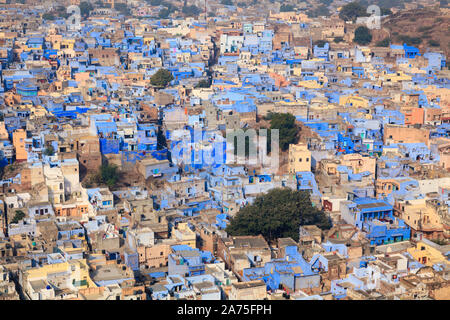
x=430, y=25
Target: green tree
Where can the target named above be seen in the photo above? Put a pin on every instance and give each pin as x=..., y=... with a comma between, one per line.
x=85, y=8
x=319, y=12
x=286, y=8
x=362, y=35
x=191, y=11
x=385, y=3
x=320, y=43
x=122, y=8
x=49, y=151
x=161, y=141
x=385, y=11
x=108, y=175
x=434, y=43
x=425, y=29
x=164, y=13
x=278, y=214
x=18, y=216
x=203, y=84
x=169, y=6
x=161, y=78
x=410, y=41
x=287, y=126
x=383, y=43
x=351, y=11
x=48, y=16
x=62, y=12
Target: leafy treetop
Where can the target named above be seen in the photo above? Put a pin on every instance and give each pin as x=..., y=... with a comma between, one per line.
x=362, y=35
x=278, y=214
x=288, y=129
x=161, y=78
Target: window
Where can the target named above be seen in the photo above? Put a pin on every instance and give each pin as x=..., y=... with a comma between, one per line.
x=300, y=160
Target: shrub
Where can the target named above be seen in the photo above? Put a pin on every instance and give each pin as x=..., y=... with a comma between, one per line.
x=434, y=43
x=362, y=35
x=203, y=84
x=383, y=43
x=18, y=216
x=278, y=214
x=108, y=175
x=286, y=8
x=161, y=78
x=351, y=11
x=49, y=151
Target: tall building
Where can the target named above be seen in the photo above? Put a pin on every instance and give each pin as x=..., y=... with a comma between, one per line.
x=299, y=158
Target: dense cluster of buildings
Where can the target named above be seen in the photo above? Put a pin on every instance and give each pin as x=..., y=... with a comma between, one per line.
x=374, y=154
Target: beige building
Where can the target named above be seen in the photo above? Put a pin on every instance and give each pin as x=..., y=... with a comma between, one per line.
x=236, y=250
x=184, y=235
x=54, y=180
x=70, y=171
x=154, y=256
x=299, y=158
x=359, y=163
x=422, y=216
x=250, y=290
x=3, y=131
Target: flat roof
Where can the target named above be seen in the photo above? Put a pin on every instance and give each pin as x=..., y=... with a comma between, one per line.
x=371, y=205
x=249, y=284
